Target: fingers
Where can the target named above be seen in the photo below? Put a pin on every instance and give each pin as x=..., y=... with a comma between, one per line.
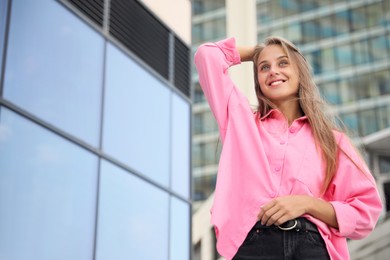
x=276, y=212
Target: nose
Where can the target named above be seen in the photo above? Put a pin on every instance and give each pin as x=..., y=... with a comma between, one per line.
x=273, y=71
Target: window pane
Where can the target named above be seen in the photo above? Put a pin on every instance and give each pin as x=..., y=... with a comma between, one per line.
x=133, y=217
x=382, y=81
x=54, y=67
x=327, y=57
x=374, y=15
x=47, y=193
x=351, y=122
x=361, y=53
x=368, y=122
x=136, y=117
x=180, y=230
x=201, y=6
x=383, y=117
x=314, y=59
x=379, y=48
x=180, y=159
x=347, y=93
x=326, y=27
x=341, y=20
x=263, y=14
x=276, y=11
x=343, y=55
x=330, y=92
x=384, y=164
x=310, y=31
x=362, y=85
x=358, y=18
x=293, y=32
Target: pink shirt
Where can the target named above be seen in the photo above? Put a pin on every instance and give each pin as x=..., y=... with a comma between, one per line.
x=263, y=158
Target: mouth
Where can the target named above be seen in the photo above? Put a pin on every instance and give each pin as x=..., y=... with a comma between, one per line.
x=276, y=82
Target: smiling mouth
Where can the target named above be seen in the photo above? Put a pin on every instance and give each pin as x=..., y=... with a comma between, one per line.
x=276, y=83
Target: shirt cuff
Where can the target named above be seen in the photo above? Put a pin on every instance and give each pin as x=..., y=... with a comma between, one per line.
x=345, y=215
x=228, y=47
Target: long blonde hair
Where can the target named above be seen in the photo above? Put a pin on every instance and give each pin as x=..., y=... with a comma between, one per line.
x=310, y=101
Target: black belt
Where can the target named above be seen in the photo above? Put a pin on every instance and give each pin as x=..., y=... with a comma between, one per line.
x=294, y=224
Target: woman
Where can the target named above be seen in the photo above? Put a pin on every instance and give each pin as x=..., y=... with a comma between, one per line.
x=289, y=186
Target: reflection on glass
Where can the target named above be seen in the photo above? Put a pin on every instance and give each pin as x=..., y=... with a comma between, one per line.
x=180, y=159
x=133, y=217
x=136, y=117
x=180, y=230
x=47, y=194
x=54, y=67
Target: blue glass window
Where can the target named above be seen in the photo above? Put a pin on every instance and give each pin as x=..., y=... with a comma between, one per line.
x=379, y=48
x=133, y=217
x=180, y=230
x=351, y=121
x=54, y=67
x=343, y=55
x=47, y=193
x=330, y=92
x=368, y=122
x=136, y=117
x=180, y=160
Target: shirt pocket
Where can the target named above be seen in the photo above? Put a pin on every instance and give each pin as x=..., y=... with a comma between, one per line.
x=311, y=175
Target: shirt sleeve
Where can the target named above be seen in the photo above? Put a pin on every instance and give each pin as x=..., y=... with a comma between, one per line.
x=212, y=61
x=354, y=194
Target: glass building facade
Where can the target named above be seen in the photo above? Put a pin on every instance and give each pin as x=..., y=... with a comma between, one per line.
x=348, y=46
x=94, y=141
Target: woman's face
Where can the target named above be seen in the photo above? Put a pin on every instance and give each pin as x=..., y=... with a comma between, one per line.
x=277, y=75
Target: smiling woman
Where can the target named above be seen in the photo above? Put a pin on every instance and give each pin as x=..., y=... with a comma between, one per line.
x=290, y=184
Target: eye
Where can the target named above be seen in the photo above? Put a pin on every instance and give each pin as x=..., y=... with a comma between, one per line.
x=264, y=67
x=283, y=63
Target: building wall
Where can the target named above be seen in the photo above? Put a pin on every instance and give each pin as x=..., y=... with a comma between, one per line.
x=94, y=140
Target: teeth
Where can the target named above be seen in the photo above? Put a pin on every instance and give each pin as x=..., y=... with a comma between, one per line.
x=276, y=82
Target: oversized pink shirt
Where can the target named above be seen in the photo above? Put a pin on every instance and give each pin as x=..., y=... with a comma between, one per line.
x=263, y=158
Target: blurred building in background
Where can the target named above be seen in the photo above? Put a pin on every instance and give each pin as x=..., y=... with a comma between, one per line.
x=95, y=136
x=348, y=46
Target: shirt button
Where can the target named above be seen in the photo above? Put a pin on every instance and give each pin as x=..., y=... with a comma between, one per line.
x=292, y=130
x=273, y=194
x=282, y=142
x=277, y=168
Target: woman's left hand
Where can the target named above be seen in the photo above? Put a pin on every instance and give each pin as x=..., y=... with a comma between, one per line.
x=282, y=209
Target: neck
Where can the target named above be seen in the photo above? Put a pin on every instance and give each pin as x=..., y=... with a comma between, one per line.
x=291, y=110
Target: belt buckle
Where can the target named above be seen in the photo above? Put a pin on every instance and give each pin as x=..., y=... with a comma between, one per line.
x=288, y=228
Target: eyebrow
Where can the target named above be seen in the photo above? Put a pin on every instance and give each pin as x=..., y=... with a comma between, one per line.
x=278, y=58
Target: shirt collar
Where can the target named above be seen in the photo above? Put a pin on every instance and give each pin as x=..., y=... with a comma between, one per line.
x=275, y=113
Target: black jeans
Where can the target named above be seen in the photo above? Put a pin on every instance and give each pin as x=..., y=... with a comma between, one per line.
x=302, y=243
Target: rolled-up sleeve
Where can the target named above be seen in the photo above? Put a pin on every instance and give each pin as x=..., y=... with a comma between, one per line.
x=354, y=194
x=212, y=61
